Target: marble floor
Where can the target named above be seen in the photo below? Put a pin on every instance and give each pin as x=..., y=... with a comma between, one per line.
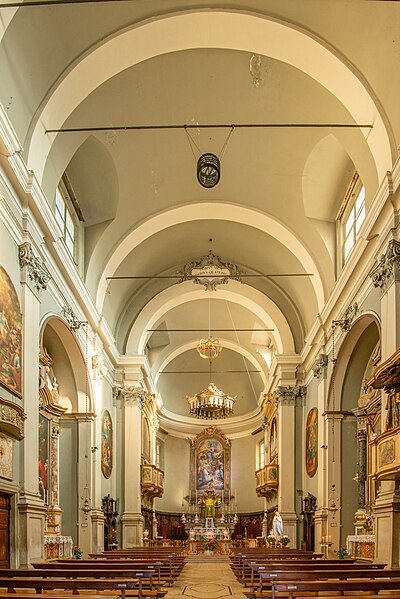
x=206, y=580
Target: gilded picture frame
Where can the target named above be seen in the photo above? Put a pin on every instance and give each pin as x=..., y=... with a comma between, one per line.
x=106, y=444
x=210, y=463
x=10, y=336
x=312, y=442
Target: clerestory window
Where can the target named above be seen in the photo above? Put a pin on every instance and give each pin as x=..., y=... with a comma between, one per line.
x=65, y=222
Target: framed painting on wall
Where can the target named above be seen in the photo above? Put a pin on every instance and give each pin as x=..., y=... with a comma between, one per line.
x=312, y=442
x=10, y=336
x=210, y=463
x=106, y=443
x=44, y=454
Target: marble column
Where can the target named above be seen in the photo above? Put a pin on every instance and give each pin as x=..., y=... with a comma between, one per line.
x=320, y=368
x=31, y=508
x=287, y=398
x=132, y=399
x=84, y=490
x=97, y=517
x=333, y=484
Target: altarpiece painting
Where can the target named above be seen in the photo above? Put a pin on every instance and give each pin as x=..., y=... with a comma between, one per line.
x=210, y=467
x=106, y=444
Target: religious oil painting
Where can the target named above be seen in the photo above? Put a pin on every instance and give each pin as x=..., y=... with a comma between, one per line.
x=210, y=463
x=44, y=454
x=312, y=442
x=106, y=443
x=10, y=336
x=6, y=457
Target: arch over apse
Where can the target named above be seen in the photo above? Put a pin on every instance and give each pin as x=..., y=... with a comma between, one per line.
x=201, y=211
x=198, y=29
x=266, y=310
x=168, y=356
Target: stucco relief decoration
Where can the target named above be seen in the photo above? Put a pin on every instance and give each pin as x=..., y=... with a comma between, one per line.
x=106, y=444
x=210, y=463
x=386, y=453
x=6, y=457
x=312, y=442
x=320, y=366
x=388, y=268
x=11, y=419
x=36, y=271
x=210, y=271
x=10, y=336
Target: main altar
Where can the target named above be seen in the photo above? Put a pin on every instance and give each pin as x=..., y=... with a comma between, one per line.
x=211, y=515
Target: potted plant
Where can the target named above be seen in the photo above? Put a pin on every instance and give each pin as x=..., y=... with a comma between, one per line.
x=285, y=540
x=342, y=552
x=77, y=552
x=271, y=540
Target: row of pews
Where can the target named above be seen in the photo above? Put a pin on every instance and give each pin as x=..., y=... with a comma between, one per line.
x=292, y=573
x=118, y=574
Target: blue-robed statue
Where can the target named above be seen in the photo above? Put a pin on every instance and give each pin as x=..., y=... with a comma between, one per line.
x=277, y=526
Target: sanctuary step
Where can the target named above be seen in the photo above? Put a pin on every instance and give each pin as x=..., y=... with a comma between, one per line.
x=202, y=557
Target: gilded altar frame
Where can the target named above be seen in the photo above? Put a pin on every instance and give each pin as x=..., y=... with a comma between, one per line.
x=210, y=464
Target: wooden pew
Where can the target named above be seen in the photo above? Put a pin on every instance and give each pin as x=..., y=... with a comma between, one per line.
x=125, y=587
x=168, y=570
x=76, y=573
x=250, y=567
x=311, y=587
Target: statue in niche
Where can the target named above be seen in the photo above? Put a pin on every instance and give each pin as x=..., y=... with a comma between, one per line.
x=393, y=409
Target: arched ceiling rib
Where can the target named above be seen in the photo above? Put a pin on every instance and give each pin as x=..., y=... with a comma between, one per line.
x=231, y=30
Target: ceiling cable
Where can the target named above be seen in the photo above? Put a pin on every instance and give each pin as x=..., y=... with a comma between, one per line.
x=244, y=361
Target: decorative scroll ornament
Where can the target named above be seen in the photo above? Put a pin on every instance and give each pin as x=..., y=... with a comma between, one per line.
x=320, y=366
x=290, y=395
x=48, y=387
x=71, y=318
x=36, y=271
x=345, y=322
x=98, y=366
x=210, y=271
x=388, y=268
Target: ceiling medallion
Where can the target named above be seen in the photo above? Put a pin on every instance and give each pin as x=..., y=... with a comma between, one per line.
x=209, y=349
x=208, y=170
x=211, y=403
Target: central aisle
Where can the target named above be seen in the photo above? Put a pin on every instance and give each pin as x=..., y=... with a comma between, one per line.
x=206, y=578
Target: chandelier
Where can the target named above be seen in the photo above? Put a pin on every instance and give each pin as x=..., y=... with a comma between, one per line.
x=211, y=403
x=209, y=349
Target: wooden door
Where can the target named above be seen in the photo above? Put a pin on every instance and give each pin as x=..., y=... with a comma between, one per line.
x=4, y=530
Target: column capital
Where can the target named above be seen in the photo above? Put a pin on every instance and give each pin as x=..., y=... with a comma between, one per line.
x=132, y=396
x=290, y=395
x=320, y=366
x=37, y=274
x=388, y=269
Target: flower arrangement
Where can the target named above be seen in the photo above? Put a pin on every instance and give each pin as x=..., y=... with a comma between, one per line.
x=271, y=540
x=342, y=552
x=211, y=545
x=285, y=540
x=77, y=552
